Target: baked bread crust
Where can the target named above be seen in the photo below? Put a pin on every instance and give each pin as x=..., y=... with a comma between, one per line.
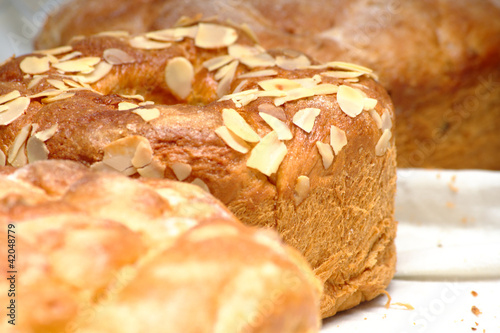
x=328, y=189
x=106, y=253
x=439, y=60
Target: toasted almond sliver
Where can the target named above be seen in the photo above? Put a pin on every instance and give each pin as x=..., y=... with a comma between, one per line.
x=342, y=74
x=383, y=142
x=145, y=103
x=338, y=139
x=302, y=188
x=278, y=126
x=386, y=121
x=212, y=36
x=264, y=72
x=217, y=62
x=72, y=83
x=370, y=103
x=239, y=51
x=349, y=66
x=143, y=155
x=119, y=153
x=272, y=110
x=225, y=83
x=58, y=84
x=48, y=92
x=153, y=170
x=123, y=106
x=36, y=79
x=55, y=51
x=70, y=56
x=137, y=97
x=240, y=86
x=376, y=117
x=58, y=97
x=48, y=133
x=292, y=64
x=147, y=114
x=115, y=56
x=9, y=96
x=181, y=170
x=35, y=65
x=299, y=93
x=3, y=158
x=179, y=75
x=166, y=35
x=37, y=150
x=259, y=60
x=101, y=70
x=200, y=183
x=305, y=118
x=326, y=152
x=17, y=147
x=268, y=154
x=16, y=108
x=232, y=140
x=350, y=100
x=3, y=108
x=238, y=125
x=279, y=84
x=141, y=42
x=83, y=65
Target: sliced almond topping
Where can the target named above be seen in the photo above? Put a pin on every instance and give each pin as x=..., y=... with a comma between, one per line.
x=59, y=97
x=212, y=36
x=36, y=79
x=292, y=64
x=232, y=140
x=153, y=170
x=302, y=188
x=37, y=150
x=326, y=152
x=350, y=100
x=117, y=57
x=239, y=51
x=264, y=72
x=3, y=108
x=58, y=84
x=123, y=106
x=143, y=155
x=173, y=35
x=246, y=29
x=349, y=66
x=17, y=148
x=70, y=56
x=278, y=126
x=268, y=154
x=141, y=42
x=3, y=158
x=217, y=62
x=72, y=83
x=309, y=82
x=237, y=124
x=9, y=96
x=338, y=139
x=147, y=114
x=16, y=108
x=225, y=84
x=370, y=103
x=376, y=117
x=145, y=103
x=48, y=92
x=260, y=60
x=179, y=74
x=101, y=70
x=181, y=170
x=383, y=143
x=299, y=93
x=35, y=65
x=272, y=110
x=305, y=118
x=119, y=153
x=83, y=65
x=279, y=84
x=200, y=183
x=342, y=74
x=55, y=51
x=386, y=121
x=47, y=134
x=138, y=97
x=240, y=86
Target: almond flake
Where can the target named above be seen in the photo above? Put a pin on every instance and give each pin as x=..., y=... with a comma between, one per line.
x=37, y=150
x=326, y=152
x=123, y=106
x=181, y=170
x=35, y=65
x=153, y=170
x=305, y=118
x=342, y=74
x=83, y=65
x=302, y=188
x=225, y=83
x=47, y=134
x=239, y=51
x=138, y=97
x=101, y=70
x=292, y=64
x=264, y=72
x=119, y=153
x=36, y=79
x=173, y=35
x=240, y=86
x=3, y=108
x=145, y=103
x=117, y=57
x=141, y=42
x=58, y=84
x=369, y=103
x=9, y=96
x=58, y=97
x=299, y=93
x=246, y=29
x=349, y=66
x=232, y=140
x=338, y=139
x=237, y=124
x=200, y=183
x=272, y=110
x=350, y=100
x=259, y=60
x=386, y=121
x=376, y=117
x=70, y=56
x=147, y=114
x=3, y=158
x=383, y=143
x=217, y=62
x=212, y=36
x=179, y=74
x=279, y=84
x=268, y=154
x=309, y=82
x=143, y=155
x=55, y=51
x=48, y=92
x=17, y=148
x=278, y=126
x=16, y=108
x=72, y=83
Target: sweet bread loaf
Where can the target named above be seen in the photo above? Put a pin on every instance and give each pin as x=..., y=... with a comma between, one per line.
x=100, y=252
x=439, y=60
x=284, y=142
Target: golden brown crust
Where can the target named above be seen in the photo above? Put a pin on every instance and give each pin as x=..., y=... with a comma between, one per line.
x=335, y=207
x=184, y=260
x=438, y=59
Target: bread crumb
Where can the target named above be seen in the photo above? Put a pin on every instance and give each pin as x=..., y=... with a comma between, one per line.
x=475, y=310
x=473, y=293
x=405, y=305
x=450, y=204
